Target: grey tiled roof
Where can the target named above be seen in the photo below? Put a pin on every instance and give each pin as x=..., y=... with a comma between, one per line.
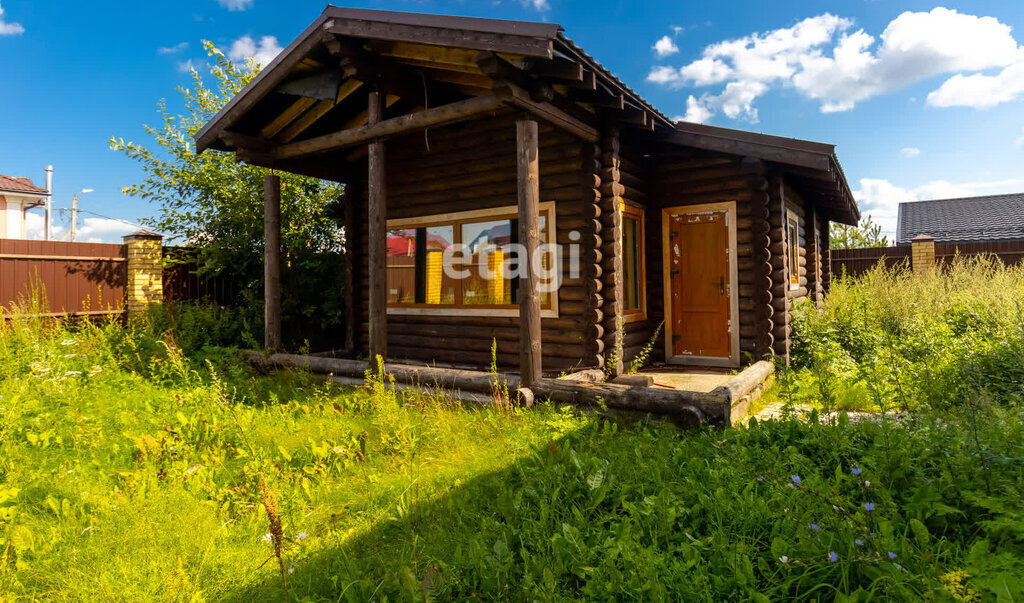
x=991, y=218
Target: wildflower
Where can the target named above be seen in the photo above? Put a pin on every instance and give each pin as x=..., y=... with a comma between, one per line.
x=72, y=373
x=867, y=484
x=858, y=542
x=814, y=527
x=300, y=537
x=69, y=342
x=892, y=555
x=760, y=479
x=795, y=478
x=784, y=559
x=856, y=471
x=869, y=507
x=833, y=557
x=268, y=537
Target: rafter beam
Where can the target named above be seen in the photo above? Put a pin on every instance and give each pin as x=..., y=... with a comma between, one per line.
x=519, y=98
x=438, y=116
x=317, y=111
x=286, y=117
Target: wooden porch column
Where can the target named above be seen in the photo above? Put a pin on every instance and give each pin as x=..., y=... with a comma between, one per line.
x=272, y=262
x=528, y=190
x=377, y=238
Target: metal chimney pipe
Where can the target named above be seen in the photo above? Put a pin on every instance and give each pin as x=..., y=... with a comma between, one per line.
x=48, y=220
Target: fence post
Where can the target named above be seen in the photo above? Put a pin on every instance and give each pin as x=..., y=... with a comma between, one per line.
x=922, y=253
x=145, y=282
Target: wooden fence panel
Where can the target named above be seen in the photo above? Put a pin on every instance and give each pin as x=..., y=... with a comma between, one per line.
x=73, y=278
x=855, y=262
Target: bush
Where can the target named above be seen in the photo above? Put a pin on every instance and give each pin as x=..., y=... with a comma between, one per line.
x=944, y=337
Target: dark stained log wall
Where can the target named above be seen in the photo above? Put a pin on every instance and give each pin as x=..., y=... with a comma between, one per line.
x=472, y=166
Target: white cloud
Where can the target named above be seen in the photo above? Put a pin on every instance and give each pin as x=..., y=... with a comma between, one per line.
x=103, y=230
x=880, y=198
x=179, y=47
x=186, y=66
x=262, y=53
x=7, y=28
x=540, y=5
x=696, y=112
x=236, y=4
x=665, y=47
x=824, y=60
x=910, y=152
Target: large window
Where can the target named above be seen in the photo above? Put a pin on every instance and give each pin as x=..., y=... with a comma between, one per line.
x=462, y=263
x=634, y=305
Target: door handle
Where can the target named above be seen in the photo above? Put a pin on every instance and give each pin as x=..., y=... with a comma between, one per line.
x=721, y=285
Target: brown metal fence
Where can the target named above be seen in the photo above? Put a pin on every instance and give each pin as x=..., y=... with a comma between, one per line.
x=62, y=277
x=1010, y=252
x=183, y=279
x=858, y=261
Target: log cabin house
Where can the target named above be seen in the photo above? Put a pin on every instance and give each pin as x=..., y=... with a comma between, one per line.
x=480, y=132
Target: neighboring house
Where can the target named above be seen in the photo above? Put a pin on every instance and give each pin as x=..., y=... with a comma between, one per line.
x=450, y=127
x=993, y=218
x=17, y=196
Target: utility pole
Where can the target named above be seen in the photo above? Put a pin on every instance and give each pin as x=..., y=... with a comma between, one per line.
x=74, y=211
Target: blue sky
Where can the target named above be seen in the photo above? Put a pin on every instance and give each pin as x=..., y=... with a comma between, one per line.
x=923, y=100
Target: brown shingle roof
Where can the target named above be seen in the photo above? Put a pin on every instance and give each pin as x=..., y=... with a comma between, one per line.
x=19, y=184
x=966, y=220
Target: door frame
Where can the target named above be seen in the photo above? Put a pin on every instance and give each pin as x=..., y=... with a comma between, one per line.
x=734, y=291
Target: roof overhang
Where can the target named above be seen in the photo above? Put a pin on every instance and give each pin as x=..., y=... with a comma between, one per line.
x=422, y=62
x=810, y=167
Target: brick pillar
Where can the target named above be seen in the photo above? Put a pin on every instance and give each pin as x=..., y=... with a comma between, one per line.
x=145, y=282
x=922, y=253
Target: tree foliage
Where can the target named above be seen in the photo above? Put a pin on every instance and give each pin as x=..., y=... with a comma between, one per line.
x=216, y=204
x=865, y=234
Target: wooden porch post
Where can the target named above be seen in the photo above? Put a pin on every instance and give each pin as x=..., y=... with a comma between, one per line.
x=272, y=262
x=377, y=238
x=528, y=189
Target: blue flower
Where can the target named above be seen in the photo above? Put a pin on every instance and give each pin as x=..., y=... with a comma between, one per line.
x=869, y=507
x=833, y=557
x=795, y=478
x=892, y=555
x=813, y=526
x=760, y=479
x=856, y=470
x=858, y=542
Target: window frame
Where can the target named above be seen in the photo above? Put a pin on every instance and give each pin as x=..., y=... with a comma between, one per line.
x=456, y=220
x=793, y=249
x=635, y=213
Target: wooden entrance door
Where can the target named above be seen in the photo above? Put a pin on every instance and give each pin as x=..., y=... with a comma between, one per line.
x=699, y=283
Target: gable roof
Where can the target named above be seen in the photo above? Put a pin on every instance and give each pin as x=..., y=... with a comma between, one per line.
x=20, y=184
x=963, y=220
x=290, y=115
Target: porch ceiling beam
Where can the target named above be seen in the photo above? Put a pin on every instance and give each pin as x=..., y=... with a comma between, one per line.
x=604, y=99
x=442, y=36
x=390, y=77
x=517, y=97
x=437, y=116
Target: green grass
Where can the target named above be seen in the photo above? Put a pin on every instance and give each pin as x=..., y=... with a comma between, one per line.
x=129, y=470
